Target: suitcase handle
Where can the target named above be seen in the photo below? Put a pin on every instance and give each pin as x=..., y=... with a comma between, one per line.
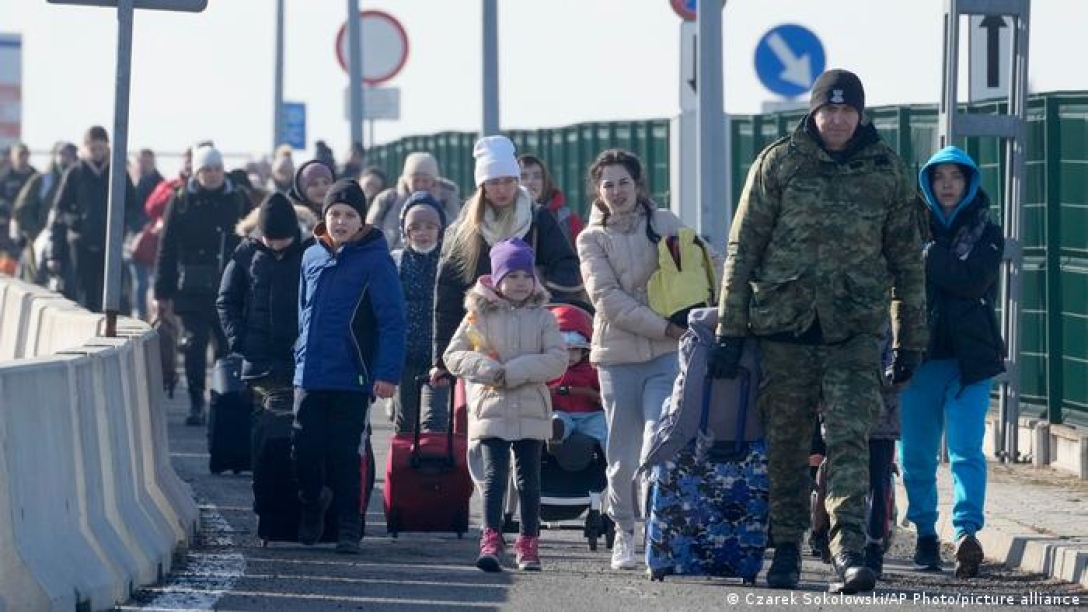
x=421, y=381
x=742, y=415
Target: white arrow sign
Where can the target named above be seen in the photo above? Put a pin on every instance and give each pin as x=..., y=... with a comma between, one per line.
x=796, y=70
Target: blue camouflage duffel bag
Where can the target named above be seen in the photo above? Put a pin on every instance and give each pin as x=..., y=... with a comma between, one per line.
x=708, y=510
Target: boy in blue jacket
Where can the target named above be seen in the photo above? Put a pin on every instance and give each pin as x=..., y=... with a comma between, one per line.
x=350, y=348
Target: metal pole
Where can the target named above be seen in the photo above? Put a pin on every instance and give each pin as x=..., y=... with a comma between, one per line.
x=491, y=68
x=277, y=112
x=355, y=68
x=115, y=216
x=370, y=128
x=715, y=209
x=949, y=73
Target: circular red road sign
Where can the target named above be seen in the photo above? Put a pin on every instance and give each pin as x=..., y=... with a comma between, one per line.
x=385, y=47
x=686, y=8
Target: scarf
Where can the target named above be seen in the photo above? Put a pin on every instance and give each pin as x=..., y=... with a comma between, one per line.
x=969, y=234
x=626, y=222
x=495, y=228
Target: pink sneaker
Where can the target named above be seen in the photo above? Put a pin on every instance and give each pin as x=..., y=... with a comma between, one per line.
x=490, y=559
x=528, y=558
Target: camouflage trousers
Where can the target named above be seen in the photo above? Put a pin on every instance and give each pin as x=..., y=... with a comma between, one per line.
x=843, y=381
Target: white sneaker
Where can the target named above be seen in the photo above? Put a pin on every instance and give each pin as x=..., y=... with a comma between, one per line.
x=623, y=551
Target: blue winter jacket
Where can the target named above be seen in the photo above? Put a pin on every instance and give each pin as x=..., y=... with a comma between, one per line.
x=351, y=316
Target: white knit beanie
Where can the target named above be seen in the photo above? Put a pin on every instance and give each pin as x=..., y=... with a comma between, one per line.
x=495, y=159
x=206, y=156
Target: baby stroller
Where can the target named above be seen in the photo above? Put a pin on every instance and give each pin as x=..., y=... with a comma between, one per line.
x=572, y=484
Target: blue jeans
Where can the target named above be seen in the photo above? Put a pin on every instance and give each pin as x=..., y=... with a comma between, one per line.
x=141, y=279
x=592, y=424
x=936, y=402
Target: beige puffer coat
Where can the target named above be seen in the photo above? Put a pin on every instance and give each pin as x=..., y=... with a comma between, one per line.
x=616, y=266
x=524, y=344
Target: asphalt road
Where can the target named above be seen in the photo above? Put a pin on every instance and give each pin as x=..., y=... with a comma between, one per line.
x=230, y=570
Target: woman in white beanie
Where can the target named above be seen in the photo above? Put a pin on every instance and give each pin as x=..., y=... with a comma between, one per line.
x=420, y=173
x=499, y=209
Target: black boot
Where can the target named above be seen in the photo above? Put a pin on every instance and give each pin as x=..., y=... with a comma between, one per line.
x=196, y=409
x=874, y=558
x=350, y=530
x=785, y=571
x=311, y=524
x=854, y=576
x=927, y=554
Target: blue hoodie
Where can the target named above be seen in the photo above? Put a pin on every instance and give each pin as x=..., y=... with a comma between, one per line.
x=949, y=155
x=351, y=316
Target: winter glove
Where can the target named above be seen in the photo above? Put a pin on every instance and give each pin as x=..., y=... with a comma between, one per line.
x=904, y=363
x=725, y=357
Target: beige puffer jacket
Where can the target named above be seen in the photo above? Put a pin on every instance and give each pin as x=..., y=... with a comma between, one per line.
x=523, y=343
x=616, y=266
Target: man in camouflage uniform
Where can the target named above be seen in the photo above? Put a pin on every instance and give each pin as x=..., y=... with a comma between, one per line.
x=824, y=235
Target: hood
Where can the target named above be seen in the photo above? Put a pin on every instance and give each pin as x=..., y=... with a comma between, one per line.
x=247, y=226
x=423, y=198
x=296, y=192
x=949, y=155
x=484, y=297
x=573, y=319
x=556, y=201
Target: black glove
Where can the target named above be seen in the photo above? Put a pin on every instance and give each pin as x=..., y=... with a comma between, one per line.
x=725, y=357
x=904, y=363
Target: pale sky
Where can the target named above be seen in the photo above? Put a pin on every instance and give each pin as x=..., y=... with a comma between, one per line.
x=209, y=75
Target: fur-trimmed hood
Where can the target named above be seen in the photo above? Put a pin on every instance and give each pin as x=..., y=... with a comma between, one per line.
x=247, y=227
x=484, y=297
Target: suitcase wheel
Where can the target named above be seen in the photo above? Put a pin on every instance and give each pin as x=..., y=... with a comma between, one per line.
x=460, y=535
x=392, y=523
x=609, y=531
x=657, y=574
x=593, y=528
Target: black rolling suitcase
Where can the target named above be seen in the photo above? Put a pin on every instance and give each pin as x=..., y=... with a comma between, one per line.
x=229, y=413
x=275, y=490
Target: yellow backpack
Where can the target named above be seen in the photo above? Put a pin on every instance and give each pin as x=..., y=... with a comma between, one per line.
x=685, y=277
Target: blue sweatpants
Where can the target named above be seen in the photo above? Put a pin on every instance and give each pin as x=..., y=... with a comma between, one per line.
x=934, y=402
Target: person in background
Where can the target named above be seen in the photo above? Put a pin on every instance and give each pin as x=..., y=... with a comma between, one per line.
x=350, y=349
x=12, y=181
x=536, y=178
x=423, y=222
x=196, y=244
x=33, y=205
x=353, y=167
x=283, y=169
x=633, y=347
x=79, y=226
x=419, y=174
x=311, y=183
x=146, y=179
x=506, y=348
x=324, y=154
x=950, y=392
x=373, y=181
x=258, y=302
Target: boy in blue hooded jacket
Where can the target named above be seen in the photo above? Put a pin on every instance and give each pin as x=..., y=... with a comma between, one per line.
x=950, y=392
x=350, y=348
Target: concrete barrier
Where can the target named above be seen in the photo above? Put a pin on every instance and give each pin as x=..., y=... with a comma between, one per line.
x=90, y=508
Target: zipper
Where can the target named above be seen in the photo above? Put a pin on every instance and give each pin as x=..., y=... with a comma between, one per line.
x=365, y=376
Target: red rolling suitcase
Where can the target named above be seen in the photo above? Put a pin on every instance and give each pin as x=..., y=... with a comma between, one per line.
x=427, y=484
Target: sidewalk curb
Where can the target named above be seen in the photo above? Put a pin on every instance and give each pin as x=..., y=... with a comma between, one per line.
x=1005, y=541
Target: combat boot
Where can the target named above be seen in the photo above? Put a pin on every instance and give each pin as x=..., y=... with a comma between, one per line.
x=874, y=558
x=854, y=576
x=785, y=571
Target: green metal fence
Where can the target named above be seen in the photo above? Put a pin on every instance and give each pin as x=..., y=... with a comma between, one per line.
x=1054, y=319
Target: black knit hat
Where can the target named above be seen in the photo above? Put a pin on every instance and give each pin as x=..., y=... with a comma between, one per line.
x=837, y=87
x=276, y=218
x=346, y=191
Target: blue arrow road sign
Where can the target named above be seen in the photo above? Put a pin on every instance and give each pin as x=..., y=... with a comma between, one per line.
x=788, y=60
x=294, y=124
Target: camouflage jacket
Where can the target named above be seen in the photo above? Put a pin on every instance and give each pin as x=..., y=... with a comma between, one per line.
x=815, y=237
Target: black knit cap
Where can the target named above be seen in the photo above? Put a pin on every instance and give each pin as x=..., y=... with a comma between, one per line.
x=837, y=87
x=276, y=217
x=345, y=191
